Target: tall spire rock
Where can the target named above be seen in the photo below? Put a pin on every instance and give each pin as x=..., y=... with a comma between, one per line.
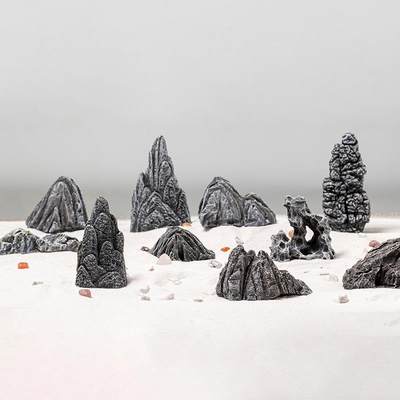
x=158, y=201
x=62, y=209
x=345, y=201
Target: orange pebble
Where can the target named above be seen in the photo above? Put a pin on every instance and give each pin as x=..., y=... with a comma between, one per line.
x=225, y=249
x=186, y=225
x=85, y=292
x=23, y=265
x=291, y=233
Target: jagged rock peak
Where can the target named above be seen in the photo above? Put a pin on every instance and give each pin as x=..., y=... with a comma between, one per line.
x=100, y=255
x=345, y=202
x=223, y=205
x=380, y=267
x=181, y=245
x=298, y=247
x=248, y=276
x=158, y=201
x=62, y=209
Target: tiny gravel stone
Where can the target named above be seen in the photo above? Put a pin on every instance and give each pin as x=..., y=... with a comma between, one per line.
x=164, y=259
x=23, y=265
x=225, y=249
x=374, y=244
x=290, y=233
x=215, y=264
x=144, y=248
x=171, y=296
x=145, y=290
x=85, y=293
x=145, y=298
x=198, y=300
x=343, y=299
x=333, y=278
x=239, y=241
x=151, y=269
x=35, y=283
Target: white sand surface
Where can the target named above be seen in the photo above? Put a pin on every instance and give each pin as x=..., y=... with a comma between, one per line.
x=57, y=345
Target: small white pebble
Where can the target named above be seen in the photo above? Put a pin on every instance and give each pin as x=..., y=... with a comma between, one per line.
x=343, y=299
x=145, y=298
x=145, y=290
x=215, y=264
x=333, y=278
x=239, y=241
x=171, y=296
x=164, y=259
x=198, y=300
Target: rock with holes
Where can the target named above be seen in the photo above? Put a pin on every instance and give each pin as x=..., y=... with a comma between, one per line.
x=223, y=205
x=299, y=246
x=62, y=209
x=158, y=201
x=181, y=245
x=100, y=256
x=251, y=276
x=380, y=267
x=345, y=202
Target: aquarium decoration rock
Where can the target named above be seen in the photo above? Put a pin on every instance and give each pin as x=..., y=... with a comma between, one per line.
x=251, y=276
x=61, y=210
x=100, y=256
x=345, y=202
x=223, y=205
x=298, y=246
x=158, y=201
x=181, y=245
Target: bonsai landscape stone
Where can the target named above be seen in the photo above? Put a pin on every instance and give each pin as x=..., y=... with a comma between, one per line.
x=380, y=267
x=100, y=255
x=62, y=209
x=248, y=276
x=181, y=245
x=345, y=202
x=158, y=201
x=57, y=242
x=298, y=247
x=223, y=205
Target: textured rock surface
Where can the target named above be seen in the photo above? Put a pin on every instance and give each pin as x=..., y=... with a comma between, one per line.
x=380, y=267
x=345, y=202
x=62, y=209
x=299, y=247
x=223, y=205
x=158, y=201
x=21, y=241
x=100, y=256
x=248, y=276
x=181, y=245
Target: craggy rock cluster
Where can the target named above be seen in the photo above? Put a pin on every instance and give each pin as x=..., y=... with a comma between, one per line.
x=298, y=247
x=61, y=210
x=223, y=205
x=21, y=241
x=100, y=256
x=380, y=267
x=181, y=245
x=248, y=276
x=158, y=201
x=345, y=202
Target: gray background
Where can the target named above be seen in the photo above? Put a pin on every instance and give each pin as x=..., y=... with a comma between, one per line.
x=256, y=91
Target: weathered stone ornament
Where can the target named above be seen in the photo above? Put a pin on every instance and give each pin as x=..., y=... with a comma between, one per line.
x=248, y=276
x=345, y=202
x=181, y=245
x=100, y=256
x=223, y=205
x=158, y=201
x=380, y=267
x=61, y=210
x=298, y=247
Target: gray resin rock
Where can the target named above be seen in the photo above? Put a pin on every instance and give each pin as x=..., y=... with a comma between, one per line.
x=100, y=255
x=300, y=218
x=158, y=201
x=380, y=267
x=223, y=205
x=181, y=245
x=21, y=241
x=61, y=210
x=248, y=276
x=345, y=202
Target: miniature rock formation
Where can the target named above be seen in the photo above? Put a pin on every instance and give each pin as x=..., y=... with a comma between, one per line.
x=100, y=256
x=21, y=241
x=345, y=202
x=248, y=276
x=181, y=245
x=61, y=210
x=380, y=267
x=298, y=247
x=223, y=205
x=158, y=201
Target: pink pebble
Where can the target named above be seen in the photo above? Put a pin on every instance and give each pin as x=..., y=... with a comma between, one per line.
x=374, y=244
x=85, y=293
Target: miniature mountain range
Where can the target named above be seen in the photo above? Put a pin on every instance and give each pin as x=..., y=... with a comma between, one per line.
x=319, y=246
x=380, y=267
x=248, y=276
x=223, y=205
x=61, y=210
x=345, y=202
x=100, y=256
x=21, y=241
x=181, y=245
x=158, y=201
